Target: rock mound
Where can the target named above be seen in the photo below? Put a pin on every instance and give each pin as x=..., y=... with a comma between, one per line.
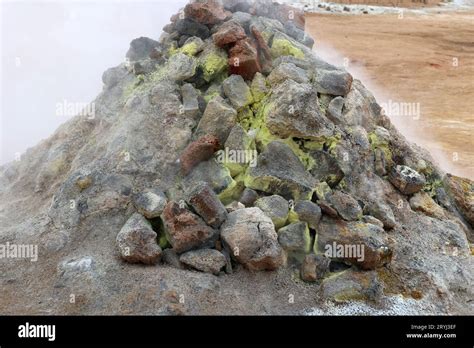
x=228, y=147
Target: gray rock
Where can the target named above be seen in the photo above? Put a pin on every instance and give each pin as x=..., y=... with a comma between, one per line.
x=334, y=110
x=113, y=76
x=251, y=240
x=353, y=242
x=286, y=71
x=137, y=241
x=292, y=112
x=314, y=267
x=141, y=48
x=300, y=63
x=242, y=18
x=347, y=207
x=218, y=119
x=352, y=285
x=308, y=212
x=259, y=87
x=334, y=82
x=298, y=34
x=382, y=212
x=295, y=237
x=150, y=203
x=144, y=67
x=406, y=179
x=279, y=171
x=238, y=142
x=237, y=91
x=326, y=168
x=181, y=67
x=234, y=206
x=204, y=260
x=248, y=197
x=190, y=97
x=171, y=258
x=369, y=219
x=275, y=207
x=190, y=27
x=206, y=203
x=211, y=172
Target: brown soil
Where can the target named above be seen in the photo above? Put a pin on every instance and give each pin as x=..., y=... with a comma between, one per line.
x=412, y=60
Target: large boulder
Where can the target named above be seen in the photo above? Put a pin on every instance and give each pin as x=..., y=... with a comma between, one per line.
x=137, y=241
x=251, y=240
x=279, y=171
x=185, y=230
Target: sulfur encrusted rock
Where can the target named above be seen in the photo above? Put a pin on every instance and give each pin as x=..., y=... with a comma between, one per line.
x=275, y=207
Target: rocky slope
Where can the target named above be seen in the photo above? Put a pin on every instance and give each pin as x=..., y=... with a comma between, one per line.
x=222, y=161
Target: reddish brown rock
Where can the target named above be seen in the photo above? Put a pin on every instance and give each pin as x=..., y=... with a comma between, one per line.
x=209, y=13
x=243, y=59
x=206, y=203
x=185, y=230
x=262, y=44
x=197, y=152
x=229, y=33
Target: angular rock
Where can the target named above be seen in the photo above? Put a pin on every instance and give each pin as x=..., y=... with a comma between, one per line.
x=334, y=82
x=283, y=45
x=291, y=111
x=406, y=180
x=185, y=230
x=259, y=87
x=181, y=67
x=461, y=190
x=242, y=18
x=382, y=212
x=352, y=285
x=308, y=212
x=237, y=5
x=113, y=76
x=192, y=45
x=190, y=27
x=295, y=237
x=214, y=174
x=327, y=209
x=198, y=151
x=314, y=267
x=209, y=12
x=347, y=207
x=369, y=219
x=251, y=240
x=275, y=207
x=334, y=110
x=279, y=171
x=150, y=203
x=137, y=241
x=286, y=71
x=206, y=203
x=298, y=34
x=248, y=197
x=356, y=243
x=204, y=260
x=171, y=258
x=326, y=168
x=239, y=142
x=228, y=33
x=422, y=202
x=141, y=48
x=237, y=91
x=234, y=206
x=213, y=63
x=243, y=59
x=190, y=96
x=144, y=67
x=218, y=119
